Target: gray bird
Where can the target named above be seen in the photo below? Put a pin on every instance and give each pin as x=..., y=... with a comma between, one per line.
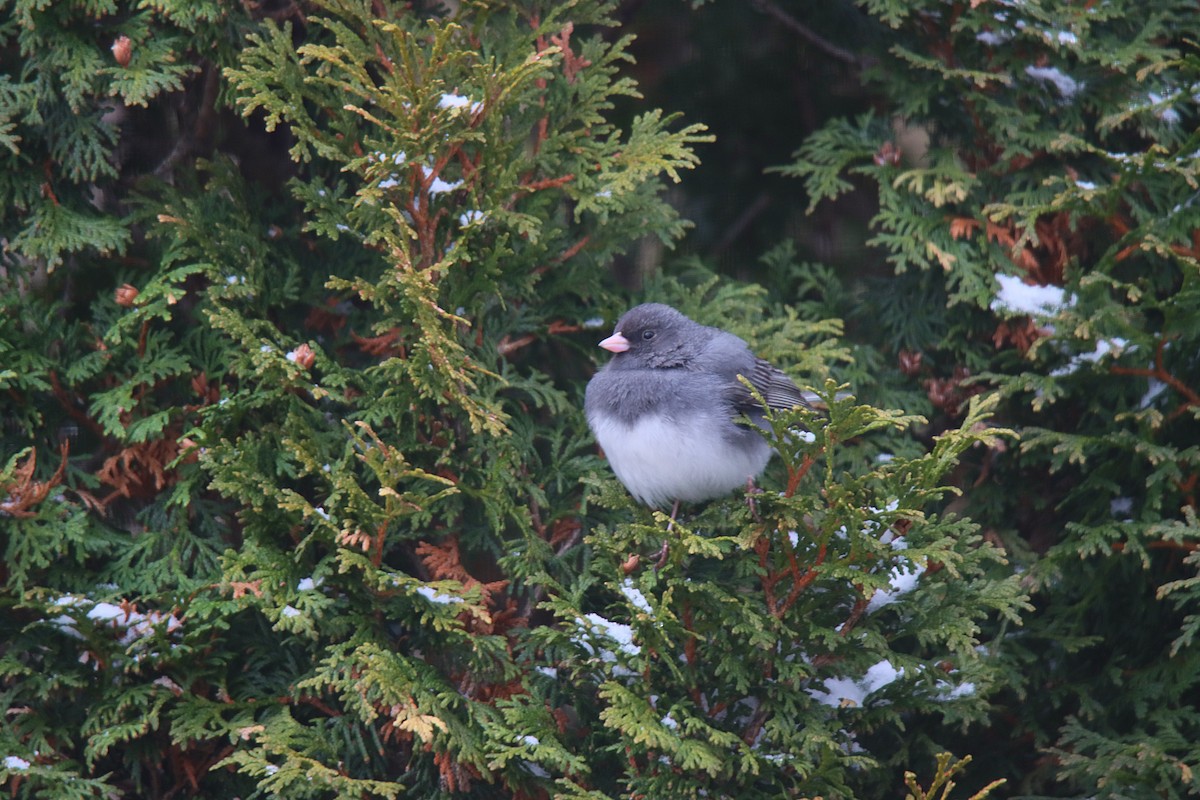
x=666, y=408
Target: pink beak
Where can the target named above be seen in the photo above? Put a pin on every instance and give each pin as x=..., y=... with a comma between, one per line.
x=615, y=343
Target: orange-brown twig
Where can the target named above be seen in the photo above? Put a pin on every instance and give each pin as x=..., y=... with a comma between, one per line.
x=1159, y=372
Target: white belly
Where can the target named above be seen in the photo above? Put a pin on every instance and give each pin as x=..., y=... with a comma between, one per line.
x=661, y=460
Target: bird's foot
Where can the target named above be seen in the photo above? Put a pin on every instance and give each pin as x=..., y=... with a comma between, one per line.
x=666, y=547
x=661, y=558
x=752, y=490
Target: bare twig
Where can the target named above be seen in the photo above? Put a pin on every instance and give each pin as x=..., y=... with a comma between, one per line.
x=807, y=34
x=739, y=226
x=1159, y=372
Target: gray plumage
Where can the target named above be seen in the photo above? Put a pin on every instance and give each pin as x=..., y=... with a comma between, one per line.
x=666, y=407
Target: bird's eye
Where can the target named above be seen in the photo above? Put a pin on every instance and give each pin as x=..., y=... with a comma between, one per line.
x=647, y=335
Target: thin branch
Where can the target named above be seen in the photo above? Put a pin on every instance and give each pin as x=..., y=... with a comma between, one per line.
x=1160, y=372
x=807, y=34
x=739, y=226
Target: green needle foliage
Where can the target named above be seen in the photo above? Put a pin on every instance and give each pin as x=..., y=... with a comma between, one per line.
x=1062, y=156
x=781, y=635
x=297, y=499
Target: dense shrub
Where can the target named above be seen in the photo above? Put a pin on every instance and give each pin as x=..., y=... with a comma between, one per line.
x=1051, y=227
x=297, y=303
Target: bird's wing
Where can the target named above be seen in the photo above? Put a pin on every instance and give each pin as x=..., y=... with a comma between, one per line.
x=776, y=388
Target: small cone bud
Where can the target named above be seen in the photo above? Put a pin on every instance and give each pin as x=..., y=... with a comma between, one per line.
x=122, y=50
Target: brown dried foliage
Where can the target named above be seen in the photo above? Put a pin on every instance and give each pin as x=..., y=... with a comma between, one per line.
x=23, y=493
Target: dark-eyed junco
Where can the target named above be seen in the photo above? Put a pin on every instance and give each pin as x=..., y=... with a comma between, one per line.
x=666, y=408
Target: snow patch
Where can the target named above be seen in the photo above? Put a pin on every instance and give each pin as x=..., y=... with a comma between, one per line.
x=635, y=596
x=452, y=101
x=903, y=580
x=1121, y=507
x=1067, y=86
x=439, y=186
x=133, y=625
x=840, y=692
x=1154, y=387
x=619, y=633
x=1103, y=348
x=993, y=38
x=1017, y=297
x=434, y=596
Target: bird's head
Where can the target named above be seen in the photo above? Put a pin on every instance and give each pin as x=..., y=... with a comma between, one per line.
x=654, y=335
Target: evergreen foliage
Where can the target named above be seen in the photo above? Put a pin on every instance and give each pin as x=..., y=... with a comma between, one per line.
x=297, y=304
x=1063, y=158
